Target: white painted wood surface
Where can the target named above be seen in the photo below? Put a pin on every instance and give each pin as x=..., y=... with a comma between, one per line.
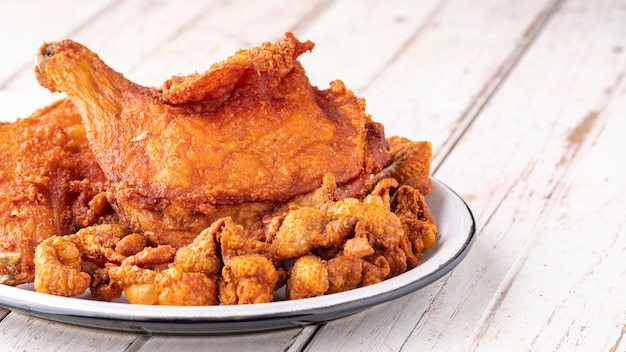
x=524, y=101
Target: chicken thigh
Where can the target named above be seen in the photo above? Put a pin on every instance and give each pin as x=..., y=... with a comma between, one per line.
x=249, y=133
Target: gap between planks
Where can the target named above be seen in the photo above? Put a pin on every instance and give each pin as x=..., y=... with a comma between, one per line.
x=484, y=96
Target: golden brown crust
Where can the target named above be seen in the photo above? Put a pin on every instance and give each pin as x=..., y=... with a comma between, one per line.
x=409, y=163
x=48, y=178
x=217, y=141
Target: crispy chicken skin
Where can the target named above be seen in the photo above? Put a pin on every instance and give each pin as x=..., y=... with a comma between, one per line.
x=248, y=132
x=48, y=185
x=248, y=279
x=308, y=277
x=60, y=260
x=409, y=163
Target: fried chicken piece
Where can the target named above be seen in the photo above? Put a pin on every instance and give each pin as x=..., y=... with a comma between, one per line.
x=306, y=228
x=98, y=243
x=137, y=283
x=50, y=184
x=178, y=288
x=375, y=271
x=171, y=286
x=233, y=141
x=299, y=231
x=200, y=256
x=164, y=275
x=357, y=247
x=68, y=265
x=308, y=277
x=102, y=287
x=131, y=244
x=344, y=273
x=234, y=240
x=152, y=257
x=410, y=164
x=419, y=225
x=376, y=222
x=396, y=259
x=248, y=279
x=58, y=266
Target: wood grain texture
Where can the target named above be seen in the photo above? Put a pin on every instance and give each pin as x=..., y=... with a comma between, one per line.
x=20, y=332
x=351, y=43
x=438, y=85
x=284, y=340
x=551, y=119
x=424, y=313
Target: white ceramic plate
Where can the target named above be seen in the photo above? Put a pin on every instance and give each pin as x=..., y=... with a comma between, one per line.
x=456, y=232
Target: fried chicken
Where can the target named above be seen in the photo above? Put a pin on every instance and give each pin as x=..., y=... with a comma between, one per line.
x=410, y=164
x=164, y=275
x=224, y=186
x=49, y=185
x=58, y=268
x=64, y=265
x=308, y=277
x=246, y=135
x=247, y=279
x=171, y=286
x=358, y=242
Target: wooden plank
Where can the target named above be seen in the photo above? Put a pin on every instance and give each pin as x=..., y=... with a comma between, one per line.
x=21, y=332
x=519, y=190
x=436, y=86
x=350, y=48
x=283, y=340
x=454, y=44
x=563, y=309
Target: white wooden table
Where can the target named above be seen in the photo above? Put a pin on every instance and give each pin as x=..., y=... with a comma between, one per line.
x=523, y=100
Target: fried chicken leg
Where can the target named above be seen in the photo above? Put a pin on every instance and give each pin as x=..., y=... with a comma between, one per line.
x=248, y=133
